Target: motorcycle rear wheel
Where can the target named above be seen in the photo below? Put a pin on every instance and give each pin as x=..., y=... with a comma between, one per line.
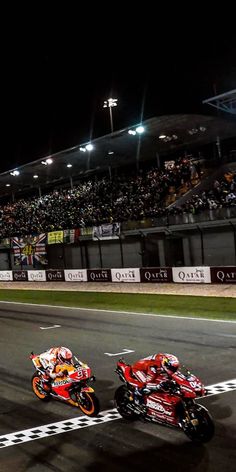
x=38, y=389
x=204, y=431
x=89, y=404
x=122, y=400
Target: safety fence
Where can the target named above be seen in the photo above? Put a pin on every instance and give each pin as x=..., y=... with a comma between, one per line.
x=199, y=274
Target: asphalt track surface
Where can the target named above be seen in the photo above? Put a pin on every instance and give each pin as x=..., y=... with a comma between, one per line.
x=208, y=347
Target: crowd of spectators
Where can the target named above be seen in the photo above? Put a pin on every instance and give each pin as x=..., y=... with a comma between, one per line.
x=119, y=199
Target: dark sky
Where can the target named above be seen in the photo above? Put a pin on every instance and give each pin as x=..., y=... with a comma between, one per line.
x=55, y=78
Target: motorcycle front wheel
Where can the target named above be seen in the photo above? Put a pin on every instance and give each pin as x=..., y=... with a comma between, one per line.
x=89, y=403
x=201, y=429
x=38, y=388
x=123, y=401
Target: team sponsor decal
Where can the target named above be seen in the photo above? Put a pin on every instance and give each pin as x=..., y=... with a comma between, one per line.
x=224, y=275
x=55, y=275
x=76, y=275
x=36, y=275
x=99, y=275
x=20, y=275
x=5, y=275
x=200, y=275
x=125, y=275
x=158, y=407
x=156, y=274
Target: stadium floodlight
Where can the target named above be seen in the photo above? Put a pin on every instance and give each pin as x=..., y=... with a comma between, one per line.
x=110, y=103
x=82, y=149
x=162, y=136
x=140, y=129
x=35, y=176
x=132, y=132
x=69, y=165
x=89, y=147
x=49, y=161
x=15, y=173
x=8, y=185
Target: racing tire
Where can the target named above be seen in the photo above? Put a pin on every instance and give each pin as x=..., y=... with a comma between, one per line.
x=204, y=431
x=89, y=404
x=38, y=389
x=122, y=402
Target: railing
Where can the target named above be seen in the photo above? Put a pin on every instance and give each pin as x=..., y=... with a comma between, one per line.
x=181, y=219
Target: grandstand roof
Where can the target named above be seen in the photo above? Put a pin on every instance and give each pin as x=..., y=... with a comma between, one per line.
x=163, y=135
x=225, y=101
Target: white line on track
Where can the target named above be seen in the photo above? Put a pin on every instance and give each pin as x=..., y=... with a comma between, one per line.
x=120, y=312
x=50, y=327
x=40, y=432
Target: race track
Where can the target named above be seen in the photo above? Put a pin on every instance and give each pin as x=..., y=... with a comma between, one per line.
x=208, y=347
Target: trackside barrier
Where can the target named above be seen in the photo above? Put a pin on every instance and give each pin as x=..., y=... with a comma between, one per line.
x=194, y=275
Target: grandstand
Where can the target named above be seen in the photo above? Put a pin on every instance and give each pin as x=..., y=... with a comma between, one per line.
x=168, y=206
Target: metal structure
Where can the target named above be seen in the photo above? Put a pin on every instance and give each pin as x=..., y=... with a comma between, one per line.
x=224, y=102
x=162, y=136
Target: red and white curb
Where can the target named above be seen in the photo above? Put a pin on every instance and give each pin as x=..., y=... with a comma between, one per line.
x=81, y=422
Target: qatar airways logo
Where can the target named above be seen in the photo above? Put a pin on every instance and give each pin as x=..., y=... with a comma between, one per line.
x=5, y=275
x=36, y=275
x=75, y=275
x=224, y=276
x=99, y=275
x=191, y=274
x=125, y=275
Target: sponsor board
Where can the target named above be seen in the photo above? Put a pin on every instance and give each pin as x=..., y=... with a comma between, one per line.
x=55, y=275
x=20, y=275
x=125, y=275
x=223, y=275
x=76, y=275
x=99, y=275
x=156, y=274
x=194, y=275
x=36, y=275
x=5, y=275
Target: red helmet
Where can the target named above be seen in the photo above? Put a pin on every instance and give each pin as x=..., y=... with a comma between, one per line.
x=170, y=363
x=64, y=355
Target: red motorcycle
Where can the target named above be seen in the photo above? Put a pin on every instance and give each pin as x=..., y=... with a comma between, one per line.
x=174, y=407
x=72, y=388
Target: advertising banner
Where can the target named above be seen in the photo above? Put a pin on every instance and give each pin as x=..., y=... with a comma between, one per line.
x=55, y=275
x=36, y=275
x=223, y=275
x=76, y=275
x=20, y=275
x=156, y=274
x=55, y=237
x=125, y=275
x=6, y=275
x=192, y=275
x=109, y=231
x=99, y=275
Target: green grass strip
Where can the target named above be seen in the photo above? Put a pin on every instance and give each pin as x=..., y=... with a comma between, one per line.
x=204, y=307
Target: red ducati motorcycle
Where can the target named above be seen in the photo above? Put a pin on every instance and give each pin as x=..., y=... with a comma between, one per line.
x=72, y=388
x=175, y=407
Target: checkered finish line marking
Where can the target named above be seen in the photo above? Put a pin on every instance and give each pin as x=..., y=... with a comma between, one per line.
x=80, y=422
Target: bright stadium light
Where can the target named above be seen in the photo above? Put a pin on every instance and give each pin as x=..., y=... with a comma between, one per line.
x=140, y=129
x=8, y=185
x=15, y=173
x=132, y=132
x=69, y=165
x=89, y=147
x=35, y=176
x=110, y=103
x=82, y=149
x=162, y=136
x=49, y=161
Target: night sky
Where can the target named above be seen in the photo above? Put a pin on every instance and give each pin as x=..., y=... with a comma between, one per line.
x=55, y=79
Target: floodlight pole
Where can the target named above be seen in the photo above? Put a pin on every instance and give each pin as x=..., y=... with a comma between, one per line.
x=110, y=103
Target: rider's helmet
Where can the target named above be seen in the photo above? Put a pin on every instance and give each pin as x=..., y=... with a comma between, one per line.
x=170, y=363
x=64, y=355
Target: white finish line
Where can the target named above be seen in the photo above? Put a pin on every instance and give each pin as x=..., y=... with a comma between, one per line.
x=80, y=422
